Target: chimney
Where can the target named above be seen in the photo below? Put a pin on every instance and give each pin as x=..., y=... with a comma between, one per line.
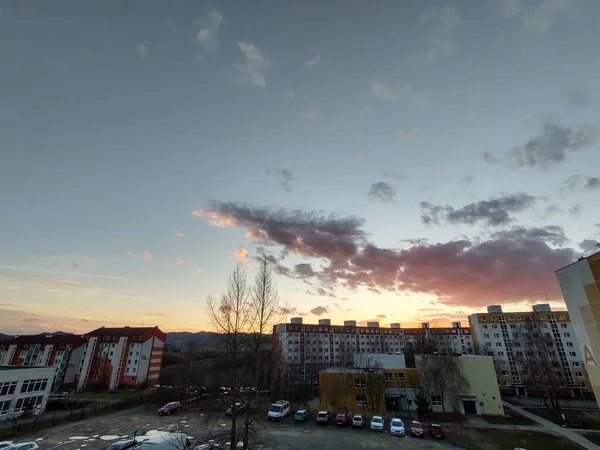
x=373, y=324
x=349, y=323
x=542, y=307
x=394, y=325
x=455, y=324
x=296, y=320
x=324, y=322
x=424, y=324
x=494, y=309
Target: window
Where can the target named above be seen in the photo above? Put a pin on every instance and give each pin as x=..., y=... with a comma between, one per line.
x=498, y=344
x=34, y=385
x=483, y=318
x=494, y=326
x=579, y=374
x=8, y=388
x=486, y=335
x=492, y=317
x=569, y=344
x=581, y=384
x=504, y=372
x=572, y=353
x=436, y=400
x=563, y=325
x=567, y=334
x=500, y=353
x=399, y=376
x=496, y=335
x=561, y=316
x=485, y=326
x=388, y=376
x=359, y=383
x=361, y=401
x=575, y=363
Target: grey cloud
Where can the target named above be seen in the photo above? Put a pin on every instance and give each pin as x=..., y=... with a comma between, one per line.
x=382, y=191
x=589, y=246
x=592, y=183
x=550, y=147
x=577, y=181
x=321, y=292
x=467, y=181
x=510, y=266
x=575, y=211
x=578, y=97
x=286, y=176
x=319, y=311
x=304, y=270
x=494, y=212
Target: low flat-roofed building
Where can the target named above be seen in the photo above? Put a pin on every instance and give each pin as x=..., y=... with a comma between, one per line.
x=24, y=389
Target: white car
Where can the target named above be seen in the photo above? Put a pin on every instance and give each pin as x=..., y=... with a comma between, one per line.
x=377, y=423
x=397, y=427
x=358, y=421
x=23, y=446
x=4, y=444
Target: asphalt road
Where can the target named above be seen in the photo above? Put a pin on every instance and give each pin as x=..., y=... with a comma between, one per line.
x=98, y=432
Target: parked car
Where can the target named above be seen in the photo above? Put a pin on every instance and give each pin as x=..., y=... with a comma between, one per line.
x=169, y=441
x=342, y=419
x=323, y=417
x=377, y=423
x=436, y=431
x=301, y=415
x=239, y=408
x=358, y=421
x=23, y=446
x=122, y=445
x=169, y=408
x=416, y=429
x=4, y=444
x=397, y=427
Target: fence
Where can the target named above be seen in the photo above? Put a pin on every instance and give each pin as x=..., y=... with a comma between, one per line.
x=31, y=423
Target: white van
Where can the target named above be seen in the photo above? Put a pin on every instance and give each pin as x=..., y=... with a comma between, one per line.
x=279, y=410
x=168, y=441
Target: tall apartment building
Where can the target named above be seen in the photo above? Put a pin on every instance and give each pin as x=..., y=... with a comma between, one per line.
x=106, y=358
x=508, y=338
x=40, y=350
x=308, y=348
x=116, y=357
x=580, y=286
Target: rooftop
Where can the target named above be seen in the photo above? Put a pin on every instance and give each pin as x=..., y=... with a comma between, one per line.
x=120, y=331
x=6, y=368
x=43, y=338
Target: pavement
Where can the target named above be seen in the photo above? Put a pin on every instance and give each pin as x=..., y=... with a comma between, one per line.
x=98, y=432
x=570, y=434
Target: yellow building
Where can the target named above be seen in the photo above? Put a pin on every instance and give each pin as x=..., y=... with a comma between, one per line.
x=580, y=286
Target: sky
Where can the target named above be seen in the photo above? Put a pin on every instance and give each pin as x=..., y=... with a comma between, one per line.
x=395, y=161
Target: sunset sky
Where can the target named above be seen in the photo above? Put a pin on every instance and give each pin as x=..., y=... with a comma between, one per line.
x=395, y=160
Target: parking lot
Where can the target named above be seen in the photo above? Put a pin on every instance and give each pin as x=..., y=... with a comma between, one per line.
x=97, y=433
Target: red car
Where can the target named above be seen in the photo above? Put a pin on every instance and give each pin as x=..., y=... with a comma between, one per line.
x=342, y=419
x=436, y=431
x=169, y=408
x=416, y=429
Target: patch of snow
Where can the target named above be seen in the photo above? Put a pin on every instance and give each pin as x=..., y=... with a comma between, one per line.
x=39, y=439
x=78, y=438
x=109, y=437
x=96, y=435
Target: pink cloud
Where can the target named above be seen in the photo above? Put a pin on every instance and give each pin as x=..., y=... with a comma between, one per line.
x=147, y=255
x=180, y=261
x=241, y=254
x=179, y=235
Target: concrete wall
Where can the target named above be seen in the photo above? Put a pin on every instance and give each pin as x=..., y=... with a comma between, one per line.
x=480, y=374
x=579, y=283
x=16, y=400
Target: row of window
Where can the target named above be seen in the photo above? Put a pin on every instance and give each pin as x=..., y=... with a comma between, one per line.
x=4, y=406
x=27, y=404
x=8, y=388
x=34, y=385
x=522, y=317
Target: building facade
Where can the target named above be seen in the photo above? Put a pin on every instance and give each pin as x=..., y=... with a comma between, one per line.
x=113, y=358
x=520, y=340
x=306, y=349
x=106, y=358
x=40, y=350
x=580, y=286
x=24, y=389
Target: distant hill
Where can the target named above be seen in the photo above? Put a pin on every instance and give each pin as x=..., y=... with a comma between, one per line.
x=182, y=339
x=5, y=337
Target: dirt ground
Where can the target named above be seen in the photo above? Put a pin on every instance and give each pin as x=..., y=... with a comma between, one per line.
x=97, y=433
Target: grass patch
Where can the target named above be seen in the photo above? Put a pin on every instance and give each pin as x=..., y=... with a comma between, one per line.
x=584, y=419
x=510, y=417
x=488, y=439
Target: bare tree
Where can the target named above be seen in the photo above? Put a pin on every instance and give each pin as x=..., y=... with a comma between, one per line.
x=440, y=374
x=538, y=360
x=231, y=316
x=370, y=383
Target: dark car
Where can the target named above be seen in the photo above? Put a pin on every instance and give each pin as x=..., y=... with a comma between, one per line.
x=122, y=445
x=301, y=415
x=342, y=419
x=416, y=429
x=323, y=417
x=239, y=408
x=436, y=431
x=169, y=408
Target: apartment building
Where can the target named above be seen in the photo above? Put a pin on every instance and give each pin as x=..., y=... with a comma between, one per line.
x=40, y=350
x=113, y=358
x=106, y=358
x=307, y=349
x=580, y=286
x=516, y=340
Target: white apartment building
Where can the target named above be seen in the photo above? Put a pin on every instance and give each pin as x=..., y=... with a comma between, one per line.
x=24, y=388
x=308, y=348
x=498, y=334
